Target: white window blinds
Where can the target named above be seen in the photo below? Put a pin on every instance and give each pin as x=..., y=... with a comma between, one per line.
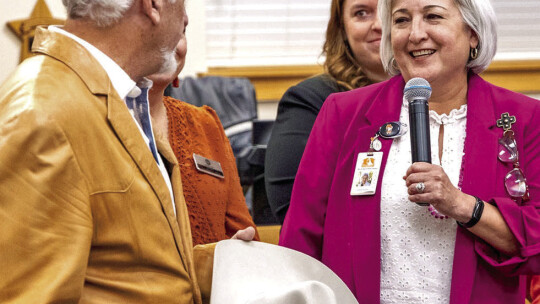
x=265, y=32
x=281, y=32
x=519, y=28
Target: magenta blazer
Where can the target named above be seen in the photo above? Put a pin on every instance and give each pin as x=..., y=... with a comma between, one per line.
x=343, y=231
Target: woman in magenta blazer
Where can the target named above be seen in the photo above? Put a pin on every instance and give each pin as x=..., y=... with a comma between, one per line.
x=481, y=233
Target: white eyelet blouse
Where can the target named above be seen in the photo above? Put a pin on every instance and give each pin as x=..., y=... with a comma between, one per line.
x=417, y=249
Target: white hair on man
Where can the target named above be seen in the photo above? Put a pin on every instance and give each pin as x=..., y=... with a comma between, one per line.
x=103, y=12
x=479, y=16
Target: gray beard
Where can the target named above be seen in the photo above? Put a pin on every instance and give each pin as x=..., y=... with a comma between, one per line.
x=169, y=64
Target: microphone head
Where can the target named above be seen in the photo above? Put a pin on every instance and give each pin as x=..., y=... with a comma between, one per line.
x=417, y=88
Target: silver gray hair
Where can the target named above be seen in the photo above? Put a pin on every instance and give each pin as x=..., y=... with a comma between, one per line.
x=477, y=14
x=103, y=12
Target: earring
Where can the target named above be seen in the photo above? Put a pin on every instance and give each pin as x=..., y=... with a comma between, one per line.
x=393, y=63
x=473, y=53
x=176, y=83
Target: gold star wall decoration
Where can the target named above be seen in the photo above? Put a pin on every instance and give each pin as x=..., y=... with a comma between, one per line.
x=24, y=28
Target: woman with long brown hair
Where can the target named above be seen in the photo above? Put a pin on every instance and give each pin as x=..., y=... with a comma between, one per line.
x=352, y=60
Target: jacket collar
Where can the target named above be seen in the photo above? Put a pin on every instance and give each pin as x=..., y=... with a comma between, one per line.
x=75, y=56
x=383, y=107
x=387, y=104
x=390, y=97
x=119, y=78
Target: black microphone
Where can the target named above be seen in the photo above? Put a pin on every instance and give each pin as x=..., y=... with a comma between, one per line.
x=417, y=92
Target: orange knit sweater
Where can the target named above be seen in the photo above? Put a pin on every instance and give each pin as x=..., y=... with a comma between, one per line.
x=216, y=206
x=535, y=289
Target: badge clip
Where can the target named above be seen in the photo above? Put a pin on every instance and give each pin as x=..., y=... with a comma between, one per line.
x=392, y=129
x=389, y=130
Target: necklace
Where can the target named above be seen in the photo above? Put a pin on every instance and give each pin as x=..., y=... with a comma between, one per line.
x=436, y=214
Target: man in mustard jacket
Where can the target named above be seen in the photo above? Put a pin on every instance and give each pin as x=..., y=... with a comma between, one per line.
x=90, y=212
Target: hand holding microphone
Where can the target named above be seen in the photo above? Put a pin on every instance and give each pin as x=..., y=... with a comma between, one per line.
x=417, y=92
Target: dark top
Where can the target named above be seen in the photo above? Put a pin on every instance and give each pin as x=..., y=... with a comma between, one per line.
x=296, y=115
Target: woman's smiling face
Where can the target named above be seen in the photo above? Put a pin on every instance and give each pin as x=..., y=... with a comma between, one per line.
x=430, y=39
x=363, y=33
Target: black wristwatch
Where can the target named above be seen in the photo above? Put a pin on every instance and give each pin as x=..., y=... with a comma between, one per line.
x=477, y=213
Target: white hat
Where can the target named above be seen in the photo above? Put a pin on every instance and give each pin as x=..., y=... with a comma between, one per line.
x=256, y=272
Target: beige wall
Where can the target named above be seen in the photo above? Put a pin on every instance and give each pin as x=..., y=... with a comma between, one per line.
x=195, y=63
x=21, y=9
x=196, y=38
x=11, y=45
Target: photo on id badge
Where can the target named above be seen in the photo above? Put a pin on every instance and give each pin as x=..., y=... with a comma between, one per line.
x=366, y=172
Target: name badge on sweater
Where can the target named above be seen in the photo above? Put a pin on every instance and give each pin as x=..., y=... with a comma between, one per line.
x=208, y=166
x=366, y=173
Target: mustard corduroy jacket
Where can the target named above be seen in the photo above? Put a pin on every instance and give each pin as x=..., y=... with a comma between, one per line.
x=85, y=215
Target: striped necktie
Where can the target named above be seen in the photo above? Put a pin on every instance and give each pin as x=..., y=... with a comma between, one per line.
x=139, y=108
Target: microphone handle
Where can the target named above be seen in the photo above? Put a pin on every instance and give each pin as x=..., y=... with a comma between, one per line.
x=420, y=139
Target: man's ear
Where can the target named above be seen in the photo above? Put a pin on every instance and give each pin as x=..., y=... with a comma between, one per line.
x=152, y=9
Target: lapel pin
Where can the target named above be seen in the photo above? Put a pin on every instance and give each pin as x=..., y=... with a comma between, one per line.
x=506, y=121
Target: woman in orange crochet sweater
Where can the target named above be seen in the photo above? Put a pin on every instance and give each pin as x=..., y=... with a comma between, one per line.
x=216, y=206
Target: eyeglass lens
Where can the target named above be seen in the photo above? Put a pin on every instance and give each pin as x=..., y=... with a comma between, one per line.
x=507, y=148
x=514, y=181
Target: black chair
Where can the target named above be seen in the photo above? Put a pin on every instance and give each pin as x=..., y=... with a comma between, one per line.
x=233, y=99
x=262, y=214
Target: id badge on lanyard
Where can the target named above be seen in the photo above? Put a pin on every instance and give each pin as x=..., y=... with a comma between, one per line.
x=368, y=164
